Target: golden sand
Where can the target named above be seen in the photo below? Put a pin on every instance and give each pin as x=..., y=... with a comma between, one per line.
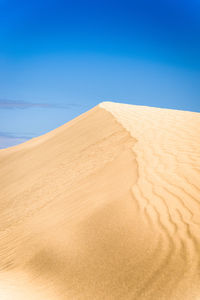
x=106, y=206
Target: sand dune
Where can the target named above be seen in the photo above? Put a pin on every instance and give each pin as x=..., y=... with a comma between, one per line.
x=105, y=207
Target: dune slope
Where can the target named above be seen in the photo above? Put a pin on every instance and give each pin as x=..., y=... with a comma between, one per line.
x=105, y=207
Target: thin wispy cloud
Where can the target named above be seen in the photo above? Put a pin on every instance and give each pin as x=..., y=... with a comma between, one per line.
x=19, y=104
x=13, y=135
x=8, y=139
x=13, y=104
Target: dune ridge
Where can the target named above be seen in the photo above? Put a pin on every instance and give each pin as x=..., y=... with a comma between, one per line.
x=106, y=206
x=168, y=192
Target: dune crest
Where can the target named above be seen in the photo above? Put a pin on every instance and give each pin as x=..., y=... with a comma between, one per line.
x=168, y=194
x=105, y=207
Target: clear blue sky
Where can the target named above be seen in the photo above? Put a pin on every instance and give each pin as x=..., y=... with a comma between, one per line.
x=59, y=58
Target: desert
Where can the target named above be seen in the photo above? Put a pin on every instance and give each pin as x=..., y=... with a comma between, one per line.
x=106, y=206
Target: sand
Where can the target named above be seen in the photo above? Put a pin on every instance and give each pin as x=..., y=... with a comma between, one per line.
x=106, y=206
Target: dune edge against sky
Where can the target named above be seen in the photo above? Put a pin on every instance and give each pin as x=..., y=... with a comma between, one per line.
x=106, y=206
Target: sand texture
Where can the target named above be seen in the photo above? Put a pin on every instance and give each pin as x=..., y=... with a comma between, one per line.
x=105, y=207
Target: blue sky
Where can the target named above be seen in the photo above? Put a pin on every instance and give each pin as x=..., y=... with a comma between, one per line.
x=61, y=58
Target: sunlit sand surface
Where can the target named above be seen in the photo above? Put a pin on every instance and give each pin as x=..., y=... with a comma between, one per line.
x=106, y=206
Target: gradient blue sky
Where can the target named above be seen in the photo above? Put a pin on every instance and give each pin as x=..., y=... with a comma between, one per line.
x=61, y=58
